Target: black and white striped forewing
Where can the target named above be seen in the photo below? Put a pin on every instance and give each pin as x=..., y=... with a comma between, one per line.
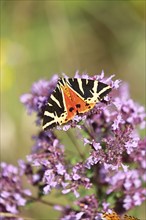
x=92, y=91
x=54, y=112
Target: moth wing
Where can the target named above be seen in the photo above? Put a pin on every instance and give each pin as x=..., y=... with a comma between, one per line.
x=91, y=91
x=126, y=217
x=110, y=216
x=55, y=112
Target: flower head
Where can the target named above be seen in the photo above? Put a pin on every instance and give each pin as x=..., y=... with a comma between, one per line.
x=40, y=92
x=12, y=194
x=87, y=208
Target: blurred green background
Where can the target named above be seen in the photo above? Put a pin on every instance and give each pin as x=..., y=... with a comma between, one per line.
x=40, y=38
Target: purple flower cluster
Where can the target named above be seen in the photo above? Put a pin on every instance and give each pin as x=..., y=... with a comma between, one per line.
x=12, y=194
x=47, y=157
x=114, y=141
x=87, y=209
x=111, y=132
x=112, y=167
x=53, y=171
x=127, y=184
x=37, y=98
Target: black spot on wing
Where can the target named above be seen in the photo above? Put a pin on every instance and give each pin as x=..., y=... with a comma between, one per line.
x=78, y=105
x=71, y=109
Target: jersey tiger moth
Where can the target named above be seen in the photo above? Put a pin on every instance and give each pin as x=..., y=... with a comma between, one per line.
x=72, y=96
x=115, y=216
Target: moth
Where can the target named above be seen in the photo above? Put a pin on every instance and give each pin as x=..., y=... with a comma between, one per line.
x=110, y=216
x=115, y=216
x=72, y=96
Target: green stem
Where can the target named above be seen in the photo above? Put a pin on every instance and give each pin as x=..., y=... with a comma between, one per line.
x=88, y=132
x=75, y=144
x=11, y=215
x=44, y=201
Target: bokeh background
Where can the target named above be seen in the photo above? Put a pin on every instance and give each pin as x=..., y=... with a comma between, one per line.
x=41, y=38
